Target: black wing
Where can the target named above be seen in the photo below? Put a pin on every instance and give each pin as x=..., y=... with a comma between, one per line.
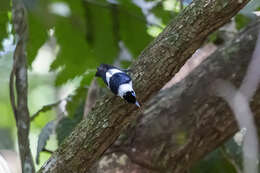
x=118, y=79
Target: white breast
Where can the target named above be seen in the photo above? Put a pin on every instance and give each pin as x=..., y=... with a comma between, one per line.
x=110, y=73
x=125, y=88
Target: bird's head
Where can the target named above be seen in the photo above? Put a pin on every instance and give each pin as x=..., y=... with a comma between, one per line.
x=130, y=97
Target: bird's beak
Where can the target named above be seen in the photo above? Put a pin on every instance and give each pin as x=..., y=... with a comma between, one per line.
x=137, y=104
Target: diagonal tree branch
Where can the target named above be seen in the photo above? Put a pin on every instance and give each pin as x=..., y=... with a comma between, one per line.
x=156, y=65
x=19, y=73
x=185, y=122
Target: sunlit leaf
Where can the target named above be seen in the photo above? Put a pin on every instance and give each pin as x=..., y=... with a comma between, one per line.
x=45, y=108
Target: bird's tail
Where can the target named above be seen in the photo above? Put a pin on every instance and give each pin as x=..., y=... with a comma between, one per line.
x=137, y=104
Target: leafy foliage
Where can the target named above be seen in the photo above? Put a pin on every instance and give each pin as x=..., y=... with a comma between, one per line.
x=214, y=163
x=164, y=15
x=88, y=35
x=133, y=27
x=74, y=60
x=79, y=96
x=241, y=21
x=36, y=39
x=45, y=108
x=102, y=36
x=217, y=37
x=225, y=159
x=43, y=138
x=4, y=9
x=67, y=124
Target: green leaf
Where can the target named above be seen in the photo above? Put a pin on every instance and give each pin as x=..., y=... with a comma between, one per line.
x=75, y=100
x=90, y=36
x=79, y=95
x=213, y=163
x=45, y=108
x=37, y=35
x=67, y=124
x=75, y=56
x=241, y=21
x=133, y=28
x=164, y=15
x=85, y=41
x=43, y=138
x=220, y=159
x=103, y=36
x=40, y=20
x=4, y=9
x=5, y=6
x=125, y=64
x=213, y=37
x=75, y=109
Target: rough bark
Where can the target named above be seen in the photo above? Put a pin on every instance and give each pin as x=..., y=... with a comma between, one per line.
x=156, y=65
x=19, y=73
x=185, y=122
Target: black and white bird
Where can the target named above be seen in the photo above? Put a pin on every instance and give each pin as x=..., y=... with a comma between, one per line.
x=119, y=82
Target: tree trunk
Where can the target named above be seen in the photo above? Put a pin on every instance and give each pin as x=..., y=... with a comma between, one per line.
x=185, y=122
x=156, y=65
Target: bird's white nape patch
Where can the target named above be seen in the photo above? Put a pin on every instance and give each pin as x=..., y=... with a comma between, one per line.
x=125, y=88
x=111, y=72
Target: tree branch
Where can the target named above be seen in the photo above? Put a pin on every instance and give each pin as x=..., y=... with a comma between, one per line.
x=156, y=65
x=44, y=109
x=185, y=122
x=19, y=73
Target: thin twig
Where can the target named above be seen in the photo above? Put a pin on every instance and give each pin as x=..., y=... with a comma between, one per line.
x=47, y=151
x=44, y=109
